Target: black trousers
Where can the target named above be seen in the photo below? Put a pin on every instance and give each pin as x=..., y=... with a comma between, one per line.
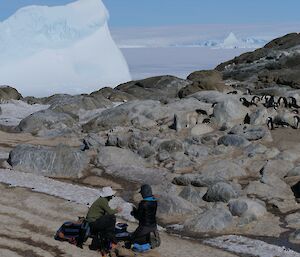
x=105, y=224
x=142, y=235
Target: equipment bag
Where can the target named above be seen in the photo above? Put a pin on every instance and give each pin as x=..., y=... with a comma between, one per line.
x=73, y=232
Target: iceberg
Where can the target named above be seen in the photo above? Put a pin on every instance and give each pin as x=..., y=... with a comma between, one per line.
x=61, y=49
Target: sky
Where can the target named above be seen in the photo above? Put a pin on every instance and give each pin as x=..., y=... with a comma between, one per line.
x=151, y=13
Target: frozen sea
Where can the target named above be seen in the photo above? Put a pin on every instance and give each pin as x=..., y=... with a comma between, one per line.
x=177, y=61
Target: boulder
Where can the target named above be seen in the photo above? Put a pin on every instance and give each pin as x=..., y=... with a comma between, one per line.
x=233, y=140
x=9, y=93
x=250, y=132
x=203, y=80
x=279, y=168
x=137, y=113
x=171, y=146
x=213, y=220
x=293, y=220
x=192, y=194
x=201, y=129
x=112, y=95
x=197, y=150
x=245, y=207
x=59, y=161
x=124, y=164
x=294, y=172
x=222, y=170
x=46, y=119
x=220, y=192
x=155, y=88
x=93, y=141
x=230, y=111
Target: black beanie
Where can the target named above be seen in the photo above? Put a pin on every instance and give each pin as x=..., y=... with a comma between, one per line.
x=146, y=191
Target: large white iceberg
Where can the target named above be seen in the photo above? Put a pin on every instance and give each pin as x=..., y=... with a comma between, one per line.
x=60, y=49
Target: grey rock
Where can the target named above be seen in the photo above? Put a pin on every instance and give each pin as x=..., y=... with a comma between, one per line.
x=250, y=132
x=245, y=207
x=58, y=161
x=254, y=149
x=46, y=119
x=197, y=150
x=203, y=80
x=233, y=140
x=293, y=220
x=222, y=169
x=156, y=88
x=113, y=95
x=279, y=168
x=93, y=141
x=170, y=204
x=230, y=111
x=9, y=93
x=295, y=236
x=124, y=164
x=163, y=156
x=146, y=151
x=213, y=220
x=294, y=172
x=171, y=146
x=192, y=194
x=220, y=192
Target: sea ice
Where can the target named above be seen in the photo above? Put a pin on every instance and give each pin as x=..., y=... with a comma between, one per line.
x=60, y=49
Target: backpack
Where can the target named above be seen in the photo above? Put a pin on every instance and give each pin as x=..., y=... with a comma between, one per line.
x=154, y=239
x=73, y=232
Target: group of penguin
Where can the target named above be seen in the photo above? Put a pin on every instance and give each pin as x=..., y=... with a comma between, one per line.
x=287, y=109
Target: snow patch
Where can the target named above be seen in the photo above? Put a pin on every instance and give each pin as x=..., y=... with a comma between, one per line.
x=244, y=245
x=75, y=193
x=13, y=111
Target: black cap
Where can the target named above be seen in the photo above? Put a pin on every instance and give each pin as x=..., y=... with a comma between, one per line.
x=146, y=191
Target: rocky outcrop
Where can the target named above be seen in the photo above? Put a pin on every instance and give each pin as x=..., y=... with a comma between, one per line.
x=203, y=80
x=61, y=161
x=159, y=88
x=9, y=93
x=277, y=63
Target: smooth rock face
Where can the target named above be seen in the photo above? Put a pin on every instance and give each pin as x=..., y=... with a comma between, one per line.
x=46, y=119
x=9, y=93
x=58, y=161
x=245, y=207
x=192, y=195
x=233, y=140
x=222, y=169
x=214, y=220
x=249, y=132
x=229, y=111
x=156, y=88
x=220, y=192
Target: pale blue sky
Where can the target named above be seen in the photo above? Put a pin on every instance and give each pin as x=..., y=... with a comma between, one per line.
x=132, y=13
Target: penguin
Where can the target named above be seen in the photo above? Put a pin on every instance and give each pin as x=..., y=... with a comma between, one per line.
x=203, y=112
x=248, y=91
x=246, y=103
x=206, y=121
x=270, y=123
x=282, y=101
x=247, y=119
x=214, y=104
x=269, y=102
x=293, y=102
x=295, y=111
x=297, y=122
x=255, y=99
x=232, y=93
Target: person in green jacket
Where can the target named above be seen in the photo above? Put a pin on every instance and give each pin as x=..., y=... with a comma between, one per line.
x=101, y=217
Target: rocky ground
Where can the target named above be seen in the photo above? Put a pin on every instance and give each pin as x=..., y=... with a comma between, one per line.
x=221, y=149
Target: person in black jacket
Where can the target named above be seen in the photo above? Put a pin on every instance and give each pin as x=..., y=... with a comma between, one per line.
x=146, y=215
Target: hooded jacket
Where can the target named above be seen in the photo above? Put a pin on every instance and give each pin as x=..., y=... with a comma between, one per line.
x=146, y=212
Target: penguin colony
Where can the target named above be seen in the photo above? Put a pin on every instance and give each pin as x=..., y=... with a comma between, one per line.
x=284, y=112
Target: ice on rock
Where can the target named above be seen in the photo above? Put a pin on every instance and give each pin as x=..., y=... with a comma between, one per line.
x=60, y=49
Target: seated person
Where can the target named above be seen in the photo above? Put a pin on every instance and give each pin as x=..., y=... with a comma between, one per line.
x=101, y=217
x=146, y=215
